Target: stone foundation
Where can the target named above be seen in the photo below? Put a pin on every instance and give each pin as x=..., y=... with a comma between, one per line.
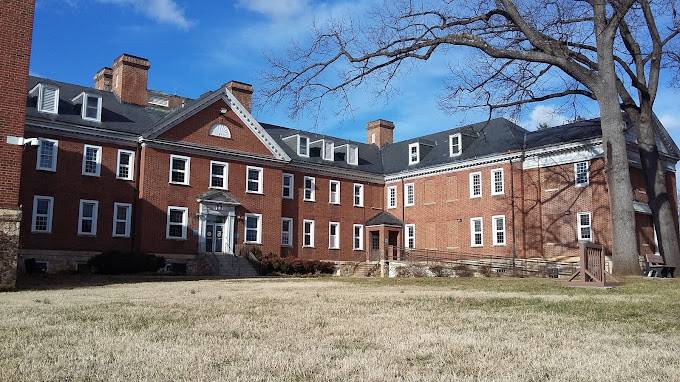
x=9, y=247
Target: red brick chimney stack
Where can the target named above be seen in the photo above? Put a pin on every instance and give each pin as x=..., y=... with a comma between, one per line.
x=380, y=132
x=130, y=78
x=103, y=79
x=243, y=93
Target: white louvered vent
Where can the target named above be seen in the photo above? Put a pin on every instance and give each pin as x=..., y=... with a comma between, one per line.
x=49, y=98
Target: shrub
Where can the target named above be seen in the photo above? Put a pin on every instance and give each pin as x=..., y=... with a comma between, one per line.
x=274, y=264
x=463, y=271
x=116, y=263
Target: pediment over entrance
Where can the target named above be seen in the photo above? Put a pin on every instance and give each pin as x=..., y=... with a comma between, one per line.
x=218, y=196
x=384, y=218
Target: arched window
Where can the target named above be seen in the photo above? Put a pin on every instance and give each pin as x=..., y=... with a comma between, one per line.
x=219, y=130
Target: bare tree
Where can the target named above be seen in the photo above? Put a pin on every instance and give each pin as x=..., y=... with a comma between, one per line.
x=534, y=51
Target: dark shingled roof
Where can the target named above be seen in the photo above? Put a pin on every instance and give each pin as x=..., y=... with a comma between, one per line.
x=384, y=218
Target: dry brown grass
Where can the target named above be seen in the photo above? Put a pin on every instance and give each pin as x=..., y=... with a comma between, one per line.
x=342, y=329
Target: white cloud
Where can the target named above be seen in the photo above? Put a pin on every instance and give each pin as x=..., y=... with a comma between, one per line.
x=275, y=9
x=545, y=114
x=670, y=121
x=163, y=11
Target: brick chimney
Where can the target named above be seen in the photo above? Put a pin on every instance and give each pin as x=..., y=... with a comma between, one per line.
x=103, y=79
x=129, y=77
x=243, y=93
x=380, y=132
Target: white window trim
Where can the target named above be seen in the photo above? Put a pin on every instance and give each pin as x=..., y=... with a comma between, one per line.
x=311, y=233
x=54, y=155
x=260, y=180
x=396, y=201
x=337, y=234
x=259, y=228
x=355, y=150
x=361, y=237
x=579, y=226
x=361, y=194
x=471, y=184
x=472, y=232
x=299, y=146
x=328, y=154
x=292, y=186
x=312, y=195
x=187, y=169
x=587, y=182
x=98, y=118
x=410, y=159
x=116, y=219
x=290, y=232
x=224, y=175
x=95, y=217
x=40, y=97
x=460, y=145
x=50, y=213
x=494, y=231
x=98, y=160
x=185, y=218
x=406, y=187
x=493, y=181
x=330, y=192
x=407, y=237
x=131, y=166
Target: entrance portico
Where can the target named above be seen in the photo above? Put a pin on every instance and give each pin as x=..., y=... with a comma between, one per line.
x=216, y=217
x=383, y=230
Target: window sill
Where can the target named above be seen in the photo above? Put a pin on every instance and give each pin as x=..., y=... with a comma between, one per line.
x=358, y=249
x=334, y=204
x=499, y=194
x=46, y=170
x=253, y=242
x=309, y=200
x=218, y=188
x=255, y=192
x=357, y=206
x=477, y=246
x=176, y=238
x=179, y=184
x=87, y=234
x=125, y=179
x=41, y=232
x=499, y=245
x=334, y=249
x=392, y=208
x=308, y=246
x=286, y=246
x=287, y=197
x=409, y=205
x=581, y=185
x=91, y=175
x=121, y=236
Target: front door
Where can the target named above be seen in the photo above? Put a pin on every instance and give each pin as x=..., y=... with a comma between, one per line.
x=375, y=246
x=214, y=235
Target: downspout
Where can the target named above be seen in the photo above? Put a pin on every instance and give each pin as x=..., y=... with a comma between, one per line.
x=136, y=207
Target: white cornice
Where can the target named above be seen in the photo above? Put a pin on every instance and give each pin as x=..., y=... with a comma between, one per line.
x=82, y=132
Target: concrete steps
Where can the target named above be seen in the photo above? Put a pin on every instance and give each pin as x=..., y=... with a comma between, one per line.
x=235, y=266
x=367, y=269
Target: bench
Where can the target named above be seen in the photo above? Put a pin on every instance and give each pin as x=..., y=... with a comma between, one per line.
x=655, y=265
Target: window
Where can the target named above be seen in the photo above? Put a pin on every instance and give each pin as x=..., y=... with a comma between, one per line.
x=498, y=228
x=87, y=217
x=410, y=235
x=358, y=237
x=303, y=146
x=286, y=232
x=475, y=185
x=353, y=155
x=177, y=223
x=287, y=182
x=219, y=130
x=455, y=146
x=310, y=189
x=125, y=165
x=329, y=150
x=392, y=197
x=92, y=108
x=92, y=160
x=334, y=192
x=254, y=179
x=180, y=168
x=581, y=174
x=333, y=235
x=219, y=175
x=47, y=155
x=413, y=153
x=42, y=214
x=476, y=232
x=48, y=98
x=358, y=195
x=308, y=233
x=159, y=101
x=410, y=194
x=122, y=218
x=585, y=229
x=253, y=228
x=497, y=182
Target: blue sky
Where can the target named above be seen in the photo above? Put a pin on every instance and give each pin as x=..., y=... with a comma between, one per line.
x=194, y=46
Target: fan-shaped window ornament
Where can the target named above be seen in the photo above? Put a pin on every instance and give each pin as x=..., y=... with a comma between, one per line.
x=219, y=130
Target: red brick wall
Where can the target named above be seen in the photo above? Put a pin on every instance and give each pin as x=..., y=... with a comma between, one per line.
x=16, y=28
x=196, y=130
x=67, y=185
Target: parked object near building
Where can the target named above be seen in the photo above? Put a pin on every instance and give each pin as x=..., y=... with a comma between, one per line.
x=120, y=167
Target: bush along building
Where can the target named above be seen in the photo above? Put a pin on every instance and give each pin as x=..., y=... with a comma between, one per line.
x=121, y=167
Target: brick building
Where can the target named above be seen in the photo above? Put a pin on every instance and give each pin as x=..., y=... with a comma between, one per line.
x=122, y=167
x=16, y=29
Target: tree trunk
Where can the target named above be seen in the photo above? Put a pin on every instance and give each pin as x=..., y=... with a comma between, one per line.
x=624, y=242
x=657, y=192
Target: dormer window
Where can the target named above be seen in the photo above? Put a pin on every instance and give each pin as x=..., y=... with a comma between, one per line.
x=328, y=150
x=303, y=146
x=91, y=106
x=455, y=145
x=353, y=155
x=413, y=153
x=48, y=98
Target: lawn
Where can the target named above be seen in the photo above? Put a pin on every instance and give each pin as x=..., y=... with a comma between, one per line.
x=333, y=329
